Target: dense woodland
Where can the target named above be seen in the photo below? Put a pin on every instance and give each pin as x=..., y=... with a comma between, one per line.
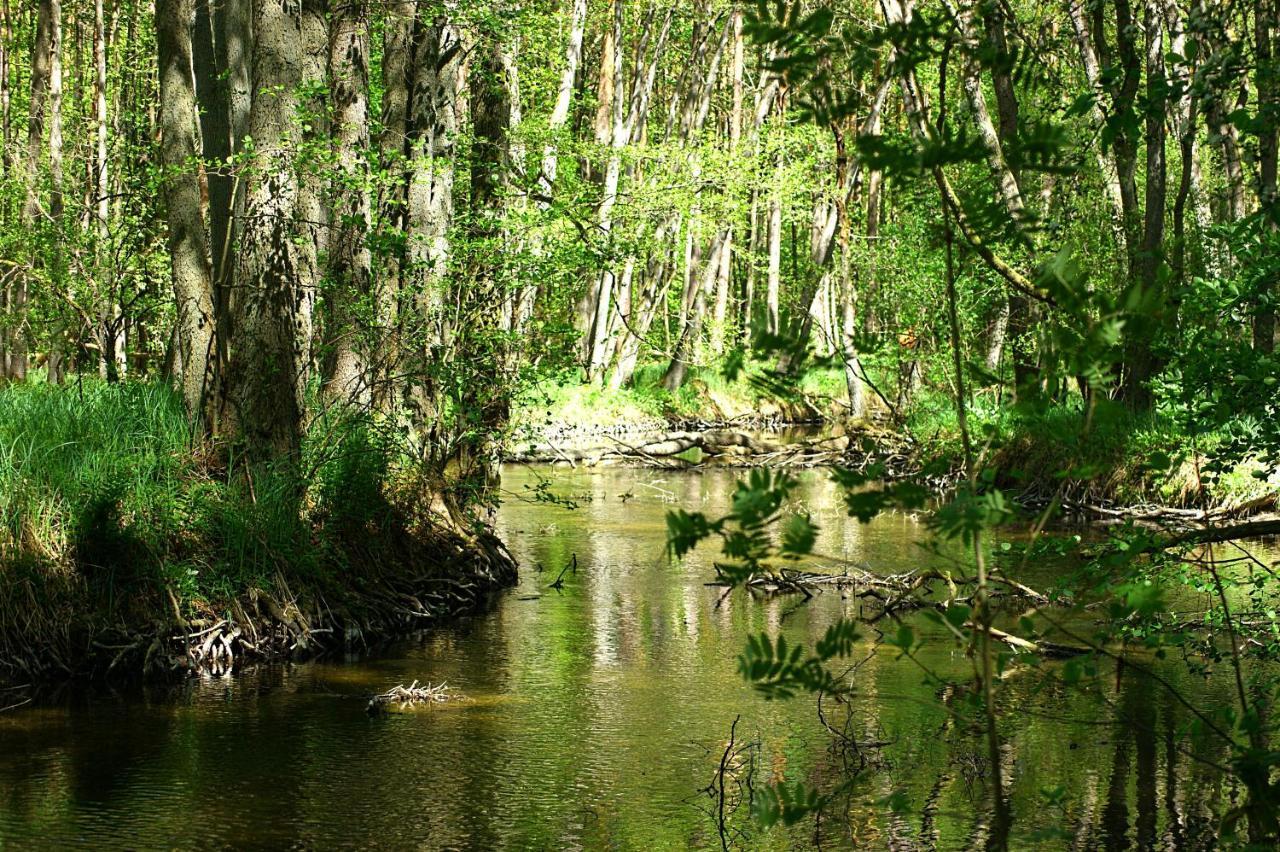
x=412, y=207
x=330, y=259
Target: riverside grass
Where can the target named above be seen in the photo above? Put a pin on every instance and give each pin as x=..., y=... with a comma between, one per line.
x=117, y=533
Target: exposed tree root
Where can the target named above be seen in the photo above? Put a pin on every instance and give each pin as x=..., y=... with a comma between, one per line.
x=63, y=629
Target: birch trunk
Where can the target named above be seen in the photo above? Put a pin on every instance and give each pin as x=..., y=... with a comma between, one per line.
x=564, y=99
x=1093, y=76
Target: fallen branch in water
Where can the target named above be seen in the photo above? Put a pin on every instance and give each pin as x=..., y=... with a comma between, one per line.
x=410, y=696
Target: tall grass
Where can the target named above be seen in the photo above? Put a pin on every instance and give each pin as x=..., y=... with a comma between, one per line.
x=101, y=484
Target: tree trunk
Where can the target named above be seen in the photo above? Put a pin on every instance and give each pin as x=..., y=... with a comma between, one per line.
x=221, y=57
x=349, y=260
x=56, y=204
x=602, y=299
x=564, y=99
x=264, y=405
x=43, y=50
x=773, y=278
x=433, y=131
x=393, y=144
x=113, y=355
x=627, y=125
x=1140, y=362
x=188, y=247
x=1093, y=76
x=312, y=216
x=1266, y=27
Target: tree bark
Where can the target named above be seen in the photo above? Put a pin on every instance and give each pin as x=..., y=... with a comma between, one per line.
x=349, y=261
x=433, y=131
x=264, y=402
x=392, y=202
x=44, y=49
x=1093, y=76
x=564, y=99
x=188, y=246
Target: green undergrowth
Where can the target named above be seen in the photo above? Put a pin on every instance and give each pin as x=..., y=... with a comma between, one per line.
x=1120, y=456
x=109, y=516
x=564, y=400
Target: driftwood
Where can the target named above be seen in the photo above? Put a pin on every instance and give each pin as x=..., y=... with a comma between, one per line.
x=899, y=592
x=727, y=446
x=412, y=695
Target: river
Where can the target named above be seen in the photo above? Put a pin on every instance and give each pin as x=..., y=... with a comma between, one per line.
x=594, y=716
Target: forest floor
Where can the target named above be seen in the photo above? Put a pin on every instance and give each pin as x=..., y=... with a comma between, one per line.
x=124, y=552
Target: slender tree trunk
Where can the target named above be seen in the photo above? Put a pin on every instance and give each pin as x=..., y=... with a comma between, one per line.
x=43, y=50
x=723, y=280
x=773, y=278
x=1266, y=28
x=602, y=298
x=628, y=124
x=749, y=279
x=564, y=99
x=677, y=370
x=1093, y=76
x=699, y=285
x=849, y=329
x=1140, y=362
x=8, y=275
x=188, y=247
x=113, y=356
x=56, y=183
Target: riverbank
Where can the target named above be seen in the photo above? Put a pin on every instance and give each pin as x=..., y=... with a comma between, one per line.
x=125, y=552
x=1121, y=465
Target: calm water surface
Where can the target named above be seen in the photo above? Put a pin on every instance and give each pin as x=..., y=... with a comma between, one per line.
x=595, y=715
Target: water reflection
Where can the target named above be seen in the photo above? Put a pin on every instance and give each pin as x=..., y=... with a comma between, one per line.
x=596, y=713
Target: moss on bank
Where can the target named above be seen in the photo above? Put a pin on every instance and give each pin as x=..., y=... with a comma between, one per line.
x=121, y=547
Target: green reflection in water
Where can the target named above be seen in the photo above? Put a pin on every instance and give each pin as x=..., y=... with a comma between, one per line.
x=595, y=714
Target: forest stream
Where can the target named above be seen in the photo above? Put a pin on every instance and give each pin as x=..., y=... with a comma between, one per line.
x=596, y=716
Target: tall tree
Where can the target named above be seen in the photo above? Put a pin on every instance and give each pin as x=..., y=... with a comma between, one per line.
x=349, y=261
x=264, y=397
x=188, y=245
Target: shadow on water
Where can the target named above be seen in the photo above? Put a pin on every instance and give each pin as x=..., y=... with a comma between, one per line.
x=596, y=712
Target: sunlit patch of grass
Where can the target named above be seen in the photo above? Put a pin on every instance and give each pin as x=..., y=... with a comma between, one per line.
x=105, y=499
x=1120, y=455
x=707, y=394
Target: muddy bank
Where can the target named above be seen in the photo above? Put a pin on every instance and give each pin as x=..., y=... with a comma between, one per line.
x=66, y=625
x=891, y=455
x=744, y=442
